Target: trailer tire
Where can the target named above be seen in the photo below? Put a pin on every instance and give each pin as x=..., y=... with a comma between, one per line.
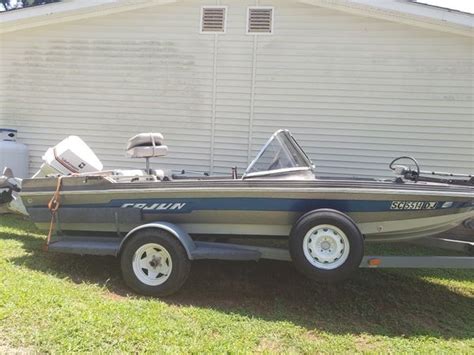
x=154, y=263
x=326, y=245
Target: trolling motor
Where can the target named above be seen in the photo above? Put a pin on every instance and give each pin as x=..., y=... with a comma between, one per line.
x=428, y=176
x=8, y=185
x=9, y=203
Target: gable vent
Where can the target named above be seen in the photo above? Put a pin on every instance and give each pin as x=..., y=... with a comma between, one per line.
x=260, y=20
x=213, y=19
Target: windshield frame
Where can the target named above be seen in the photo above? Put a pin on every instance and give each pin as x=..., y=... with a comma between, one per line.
x=293, y=144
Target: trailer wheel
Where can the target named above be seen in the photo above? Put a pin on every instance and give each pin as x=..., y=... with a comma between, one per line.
x=326, y=245
x=154, y=263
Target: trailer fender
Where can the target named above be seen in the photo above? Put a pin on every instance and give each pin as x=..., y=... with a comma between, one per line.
x=176, y=231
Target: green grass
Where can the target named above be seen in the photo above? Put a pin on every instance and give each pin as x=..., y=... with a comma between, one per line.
x=63, y=303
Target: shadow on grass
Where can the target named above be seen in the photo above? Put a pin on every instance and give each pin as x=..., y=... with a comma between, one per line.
x=387, y=303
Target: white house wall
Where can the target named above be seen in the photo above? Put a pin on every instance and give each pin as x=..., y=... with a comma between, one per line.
x=354, y=90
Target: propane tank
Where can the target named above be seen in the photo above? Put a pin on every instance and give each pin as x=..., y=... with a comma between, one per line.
x=13, y=154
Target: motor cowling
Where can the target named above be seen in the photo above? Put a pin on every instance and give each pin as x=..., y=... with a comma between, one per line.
x=71, y=156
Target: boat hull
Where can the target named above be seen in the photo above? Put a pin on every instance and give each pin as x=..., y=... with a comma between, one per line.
x=382, y=211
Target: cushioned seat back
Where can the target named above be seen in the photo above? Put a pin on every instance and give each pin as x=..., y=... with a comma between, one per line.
x=146, y=145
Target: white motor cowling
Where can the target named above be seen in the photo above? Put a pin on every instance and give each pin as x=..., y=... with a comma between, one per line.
x=70, y=156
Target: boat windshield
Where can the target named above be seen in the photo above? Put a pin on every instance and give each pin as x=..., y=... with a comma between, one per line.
x=281, y=152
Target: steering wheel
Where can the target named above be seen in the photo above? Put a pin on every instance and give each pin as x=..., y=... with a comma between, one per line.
x=404, y=169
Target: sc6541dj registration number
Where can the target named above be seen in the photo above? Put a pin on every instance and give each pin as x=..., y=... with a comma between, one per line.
x=413, y=205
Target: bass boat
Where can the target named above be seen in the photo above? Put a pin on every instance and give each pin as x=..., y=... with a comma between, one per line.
x=326, y=221
x=277, y=188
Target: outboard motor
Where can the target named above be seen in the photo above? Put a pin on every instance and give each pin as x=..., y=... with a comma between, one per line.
x=71, y=156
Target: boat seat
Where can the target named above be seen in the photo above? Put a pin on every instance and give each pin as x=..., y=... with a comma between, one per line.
x=146, y=145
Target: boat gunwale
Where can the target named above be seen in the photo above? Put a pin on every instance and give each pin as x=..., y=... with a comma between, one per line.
x=280, y=189
x=103, y=183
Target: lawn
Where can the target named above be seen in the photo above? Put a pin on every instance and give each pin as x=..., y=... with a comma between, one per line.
x=63, y=303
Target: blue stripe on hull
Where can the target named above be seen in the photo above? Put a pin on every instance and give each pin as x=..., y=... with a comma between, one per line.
x=176, y=205
x=188, y=205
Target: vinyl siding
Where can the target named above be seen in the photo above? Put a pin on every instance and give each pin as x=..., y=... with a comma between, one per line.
x=355, y=91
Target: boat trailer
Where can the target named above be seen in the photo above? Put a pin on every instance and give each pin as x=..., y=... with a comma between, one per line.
x=199, y=250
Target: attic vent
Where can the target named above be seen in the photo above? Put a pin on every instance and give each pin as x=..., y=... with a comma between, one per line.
x=213, y=19
x=260, y=20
